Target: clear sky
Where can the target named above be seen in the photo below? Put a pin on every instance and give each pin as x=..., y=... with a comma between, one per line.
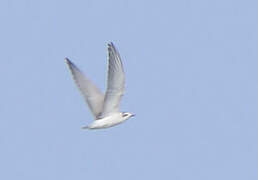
x=191, y=79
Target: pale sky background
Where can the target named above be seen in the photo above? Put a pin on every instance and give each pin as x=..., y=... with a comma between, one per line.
x=191, y=79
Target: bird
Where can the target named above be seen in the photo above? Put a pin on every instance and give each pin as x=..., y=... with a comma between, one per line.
x=104, y=107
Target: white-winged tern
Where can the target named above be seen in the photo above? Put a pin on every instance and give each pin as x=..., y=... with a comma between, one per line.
x=105, y=108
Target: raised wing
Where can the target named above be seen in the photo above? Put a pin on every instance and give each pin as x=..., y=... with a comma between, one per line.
x=115, y=82
x=91, y=93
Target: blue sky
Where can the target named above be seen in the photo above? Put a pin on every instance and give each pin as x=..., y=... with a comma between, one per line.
x=191, y=80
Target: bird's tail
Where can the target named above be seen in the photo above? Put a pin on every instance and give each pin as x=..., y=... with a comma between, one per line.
x=85, y=127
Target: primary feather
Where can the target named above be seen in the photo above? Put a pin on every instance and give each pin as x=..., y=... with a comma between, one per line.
x=115, y=82
x=91, y=93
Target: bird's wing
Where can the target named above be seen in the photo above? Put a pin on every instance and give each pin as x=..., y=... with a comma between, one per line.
x=115, y=82
x=91, y=93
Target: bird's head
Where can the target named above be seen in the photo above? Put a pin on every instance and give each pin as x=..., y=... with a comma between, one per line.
x=127, y=115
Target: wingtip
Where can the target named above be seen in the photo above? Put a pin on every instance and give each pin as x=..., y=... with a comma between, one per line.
x=67, y=60
x=111, y=44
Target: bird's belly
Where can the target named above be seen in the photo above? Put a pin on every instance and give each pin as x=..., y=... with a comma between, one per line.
x=105, y=123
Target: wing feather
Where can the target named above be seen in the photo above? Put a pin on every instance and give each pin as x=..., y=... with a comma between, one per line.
x=91, y=93
x=115, y=82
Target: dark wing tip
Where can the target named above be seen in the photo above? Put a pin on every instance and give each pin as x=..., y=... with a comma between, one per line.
x=112, y=48
x=110, y=44
x=71, y=65
x=67, y=60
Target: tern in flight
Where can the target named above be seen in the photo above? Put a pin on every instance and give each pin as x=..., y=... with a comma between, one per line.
x=105, y=108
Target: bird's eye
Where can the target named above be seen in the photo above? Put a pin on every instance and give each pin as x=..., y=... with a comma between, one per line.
x=124, y=115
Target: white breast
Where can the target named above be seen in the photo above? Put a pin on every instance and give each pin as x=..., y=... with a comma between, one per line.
x=106, y=122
